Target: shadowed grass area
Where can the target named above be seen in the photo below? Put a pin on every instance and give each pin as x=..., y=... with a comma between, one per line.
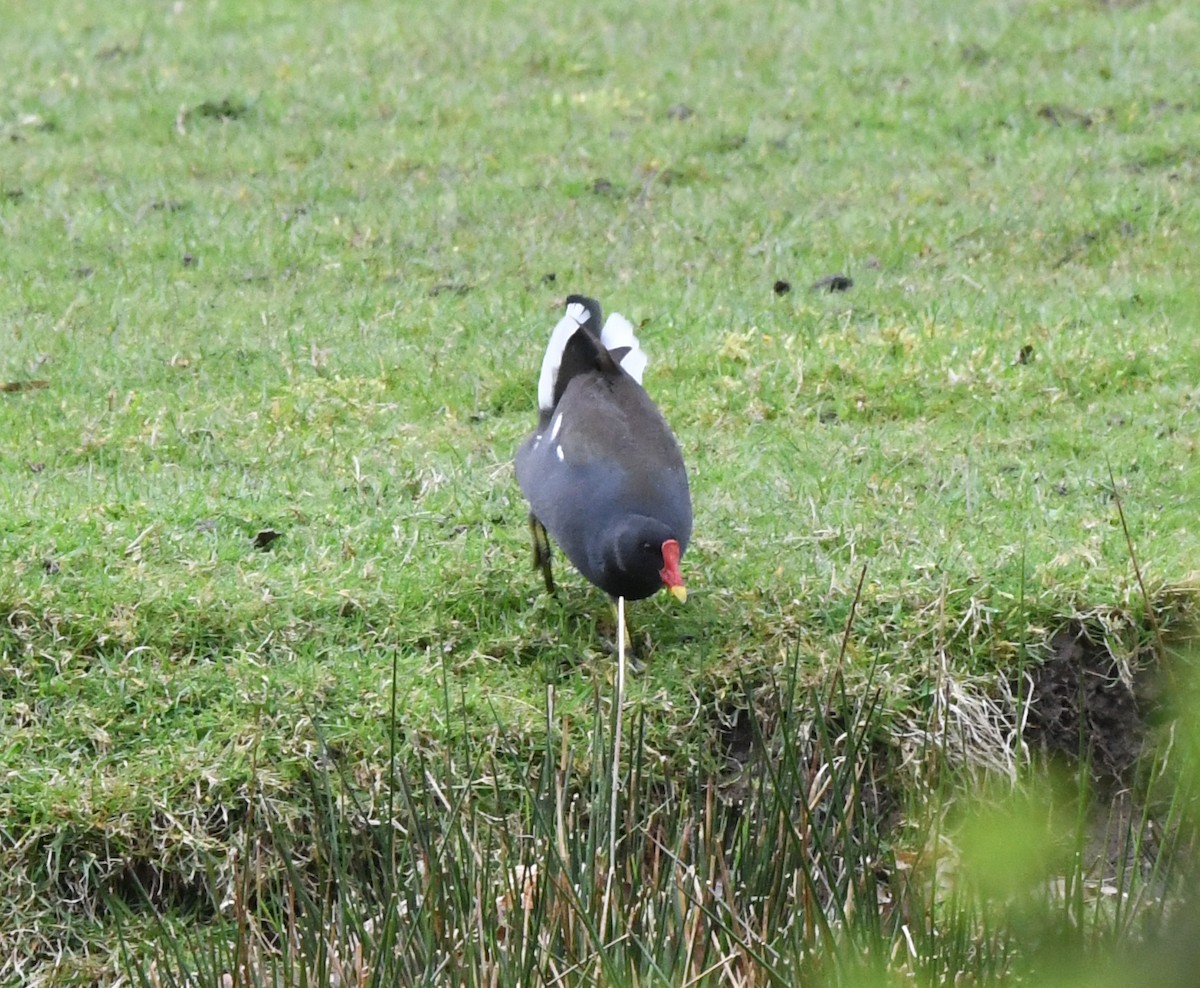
x=819, y=861
x=293, y=270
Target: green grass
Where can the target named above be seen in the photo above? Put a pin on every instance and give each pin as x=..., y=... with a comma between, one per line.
x=293, y=268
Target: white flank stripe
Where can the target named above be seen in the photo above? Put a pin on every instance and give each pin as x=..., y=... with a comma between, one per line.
x=558, y=451
x=618, y=332
x=576, y=316
x=555, y=426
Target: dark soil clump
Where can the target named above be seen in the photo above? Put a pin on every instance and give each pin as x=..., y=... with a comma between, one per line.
x=1084, y=704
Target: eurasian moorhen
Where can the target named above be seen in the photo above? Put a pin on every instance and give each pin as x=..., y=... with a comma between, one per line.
x=603, y=472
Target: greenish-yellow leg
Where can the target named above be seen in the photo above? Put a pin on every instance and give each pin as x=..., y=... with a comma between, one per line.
x=541, y=551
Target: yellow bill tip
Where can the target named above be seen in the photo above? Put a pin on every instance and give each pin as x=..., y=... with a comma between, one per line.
x=679, y=592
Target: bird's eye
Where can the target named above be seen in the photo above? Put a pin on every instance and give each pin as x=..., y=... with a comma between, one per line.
x=647, y=547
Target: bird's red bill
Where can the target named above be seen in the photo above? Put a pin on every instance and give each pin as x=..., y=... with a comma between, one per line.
x=671, y=577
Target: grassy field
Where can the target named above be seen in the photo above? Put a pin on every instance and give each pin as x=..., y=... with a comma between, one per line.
x=272, y=267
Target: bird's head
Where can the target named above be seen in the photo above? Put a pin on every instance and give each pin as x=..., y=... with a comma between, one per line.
x=643, y=557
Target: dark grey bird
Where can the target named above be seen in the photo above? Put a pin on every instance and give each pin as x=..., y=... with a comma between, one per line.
x=603, y=472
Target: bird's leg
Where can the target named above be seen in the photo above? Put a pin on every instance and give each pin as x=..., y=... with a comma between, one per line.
x=541, y=551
